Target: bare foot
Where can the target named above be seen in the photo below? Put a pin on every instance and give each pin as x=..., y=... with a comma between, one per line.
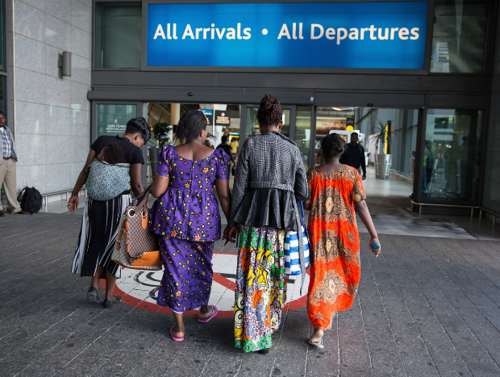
x=317, y=336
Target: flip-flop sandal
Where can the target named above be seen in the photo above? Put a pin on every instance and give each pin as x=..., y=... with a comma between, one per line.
x=171, y=331
x=316, y=344
x=214, y=313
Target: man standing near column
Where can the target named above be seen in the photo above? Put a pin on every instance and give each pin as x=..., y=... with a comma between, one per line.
x=8, y=168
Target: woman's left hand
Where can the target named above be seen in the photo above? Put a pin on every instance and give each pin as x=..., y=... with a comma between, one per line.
x=231, y=234
x=73, y=203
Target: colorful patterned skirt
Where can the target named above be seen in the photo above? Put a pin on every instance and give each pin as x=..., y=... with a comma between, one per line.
x=187, y=280
x=260, y=292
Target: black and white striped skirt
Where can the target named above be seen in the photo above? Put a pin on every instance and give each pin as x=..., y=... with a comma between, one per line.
x=96, y=242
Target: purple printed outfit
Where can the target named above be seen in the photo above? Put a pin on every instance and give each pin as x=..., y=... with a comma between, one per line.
x=187, y=221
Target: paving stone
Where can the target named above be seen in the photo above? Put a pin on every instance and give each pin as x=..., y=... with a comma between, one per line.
x=425, y=307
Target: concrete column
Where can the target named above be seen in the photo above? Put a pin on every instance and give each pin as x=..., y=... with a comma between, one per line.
x=175, y=113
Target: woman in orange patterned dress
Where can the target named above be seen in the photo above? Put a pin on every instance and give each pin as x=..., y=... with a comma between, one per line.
x=335, y=196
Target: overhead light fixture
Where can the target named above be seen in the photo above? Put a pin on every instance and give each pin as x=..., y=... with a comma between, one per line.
x=337, y=108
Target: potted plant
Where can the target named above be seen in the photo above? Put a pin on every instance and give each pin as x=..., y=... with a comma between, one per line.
x=161, y=132
x=383, y=160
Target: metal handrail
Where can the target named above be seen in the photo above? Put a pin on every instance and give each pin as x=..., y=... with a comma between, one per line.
x=472, y=208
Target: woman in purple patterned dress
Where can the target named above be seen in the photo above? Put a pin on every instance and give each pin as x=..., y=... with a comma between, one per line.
x=186, y=219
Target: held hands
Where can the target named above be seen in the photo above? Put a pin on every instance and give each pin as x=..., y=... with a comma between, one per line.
x=73, y=203
x=230, y=234
x=375, y=251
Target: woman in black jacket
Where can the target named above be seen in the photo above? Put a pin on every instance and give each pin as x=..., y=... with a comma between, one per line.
x=270, y=179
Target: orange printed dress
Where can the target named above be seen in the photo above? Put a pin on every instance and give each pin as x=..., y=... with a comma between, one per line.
x=335, y=266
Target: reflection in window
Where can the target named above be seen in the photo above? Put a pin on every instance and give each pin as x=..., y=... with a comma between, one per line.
x=117, y=35
x=112, y=119
x=253, y=129
x=303, y=132
x=3, y=94
x=459, y=41
x=3, y=56
x=452, y=156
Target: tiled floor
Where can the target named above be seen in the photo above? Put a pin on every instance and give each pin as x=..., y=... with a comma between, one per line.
x=428, y=306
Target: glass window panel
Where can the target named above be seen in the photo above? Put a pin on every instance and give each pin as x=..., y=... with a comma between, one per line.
x=118, y=35
x=459, y=41
x=452, y=155
x=3, y=94
x=112, y=119
x=332, y=119
x=3, y=56
x=303, y=132
x=252, y=124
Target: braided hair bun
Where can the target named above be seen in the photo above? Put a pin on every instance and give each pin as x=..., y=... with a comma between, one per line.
x=333, y=145
x=190, y=125
x=270, y=112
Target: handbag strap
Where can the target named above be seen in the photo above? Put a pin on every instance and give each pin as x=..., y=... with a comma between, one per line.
x=302, y=211
x=142, y=199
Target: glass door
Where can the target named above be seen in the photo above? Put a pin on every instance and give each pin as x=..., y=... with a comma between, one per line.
x=296, y=126
x=111, y=117
x=252, y=124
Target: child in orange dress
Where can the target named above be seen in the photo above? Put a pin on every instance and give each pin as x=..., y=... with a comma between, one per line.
x=335, y=196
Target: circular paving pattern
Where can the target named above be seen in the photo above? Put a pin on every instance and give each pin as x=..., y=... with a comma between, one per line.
x=140, y=288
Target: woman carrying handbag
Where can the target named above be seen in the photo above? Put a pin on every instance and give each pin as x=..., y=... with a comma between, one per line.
x=270, y=179
x=101, y=216
x=186, y=219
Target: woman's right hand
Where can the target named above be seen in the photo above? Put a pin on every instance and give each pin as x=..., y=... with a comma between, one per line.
x=231, y=234
x=375, y=251
x=73, y=203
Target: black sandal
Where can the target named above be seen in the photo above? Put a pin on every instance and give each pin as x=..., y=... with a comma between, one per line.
x=92, y=295
x=108, y=304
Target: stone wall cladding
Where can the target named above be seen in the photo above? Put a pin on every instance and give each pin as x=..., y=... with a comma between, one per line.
x=52, y=111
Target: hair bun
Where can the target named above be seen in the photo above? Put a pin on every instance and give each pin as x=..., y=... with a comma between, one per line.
x=270, y=111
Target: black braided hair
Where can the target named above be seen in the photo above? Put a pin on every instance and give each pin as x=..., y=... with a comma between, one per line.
x=333, y=145
x=190, y=125
x=270, y=112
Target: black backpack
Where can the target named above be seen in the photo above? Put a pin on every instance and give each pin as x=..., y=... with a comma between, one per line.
x=30, y=199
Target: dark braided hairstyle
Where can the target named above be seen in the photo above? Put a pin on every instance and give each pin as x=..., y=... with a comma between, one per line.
x=333, y=145
x=190, y=125
x=270, y=112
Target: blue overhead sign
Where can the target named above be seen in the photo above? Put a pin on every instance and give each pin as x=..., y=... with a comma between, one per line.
x=387, y=35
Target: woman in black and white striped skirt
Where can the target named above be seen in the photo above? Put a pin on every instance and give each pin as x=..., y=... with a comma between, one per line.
x=101, y=218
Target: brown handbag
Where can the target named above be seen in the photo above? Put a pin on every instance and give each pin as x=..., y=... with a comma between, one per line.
x=136, y=246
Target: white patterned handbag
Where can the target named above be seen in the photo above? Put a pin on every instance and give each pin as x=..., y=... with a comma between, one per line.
x=292, y=255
